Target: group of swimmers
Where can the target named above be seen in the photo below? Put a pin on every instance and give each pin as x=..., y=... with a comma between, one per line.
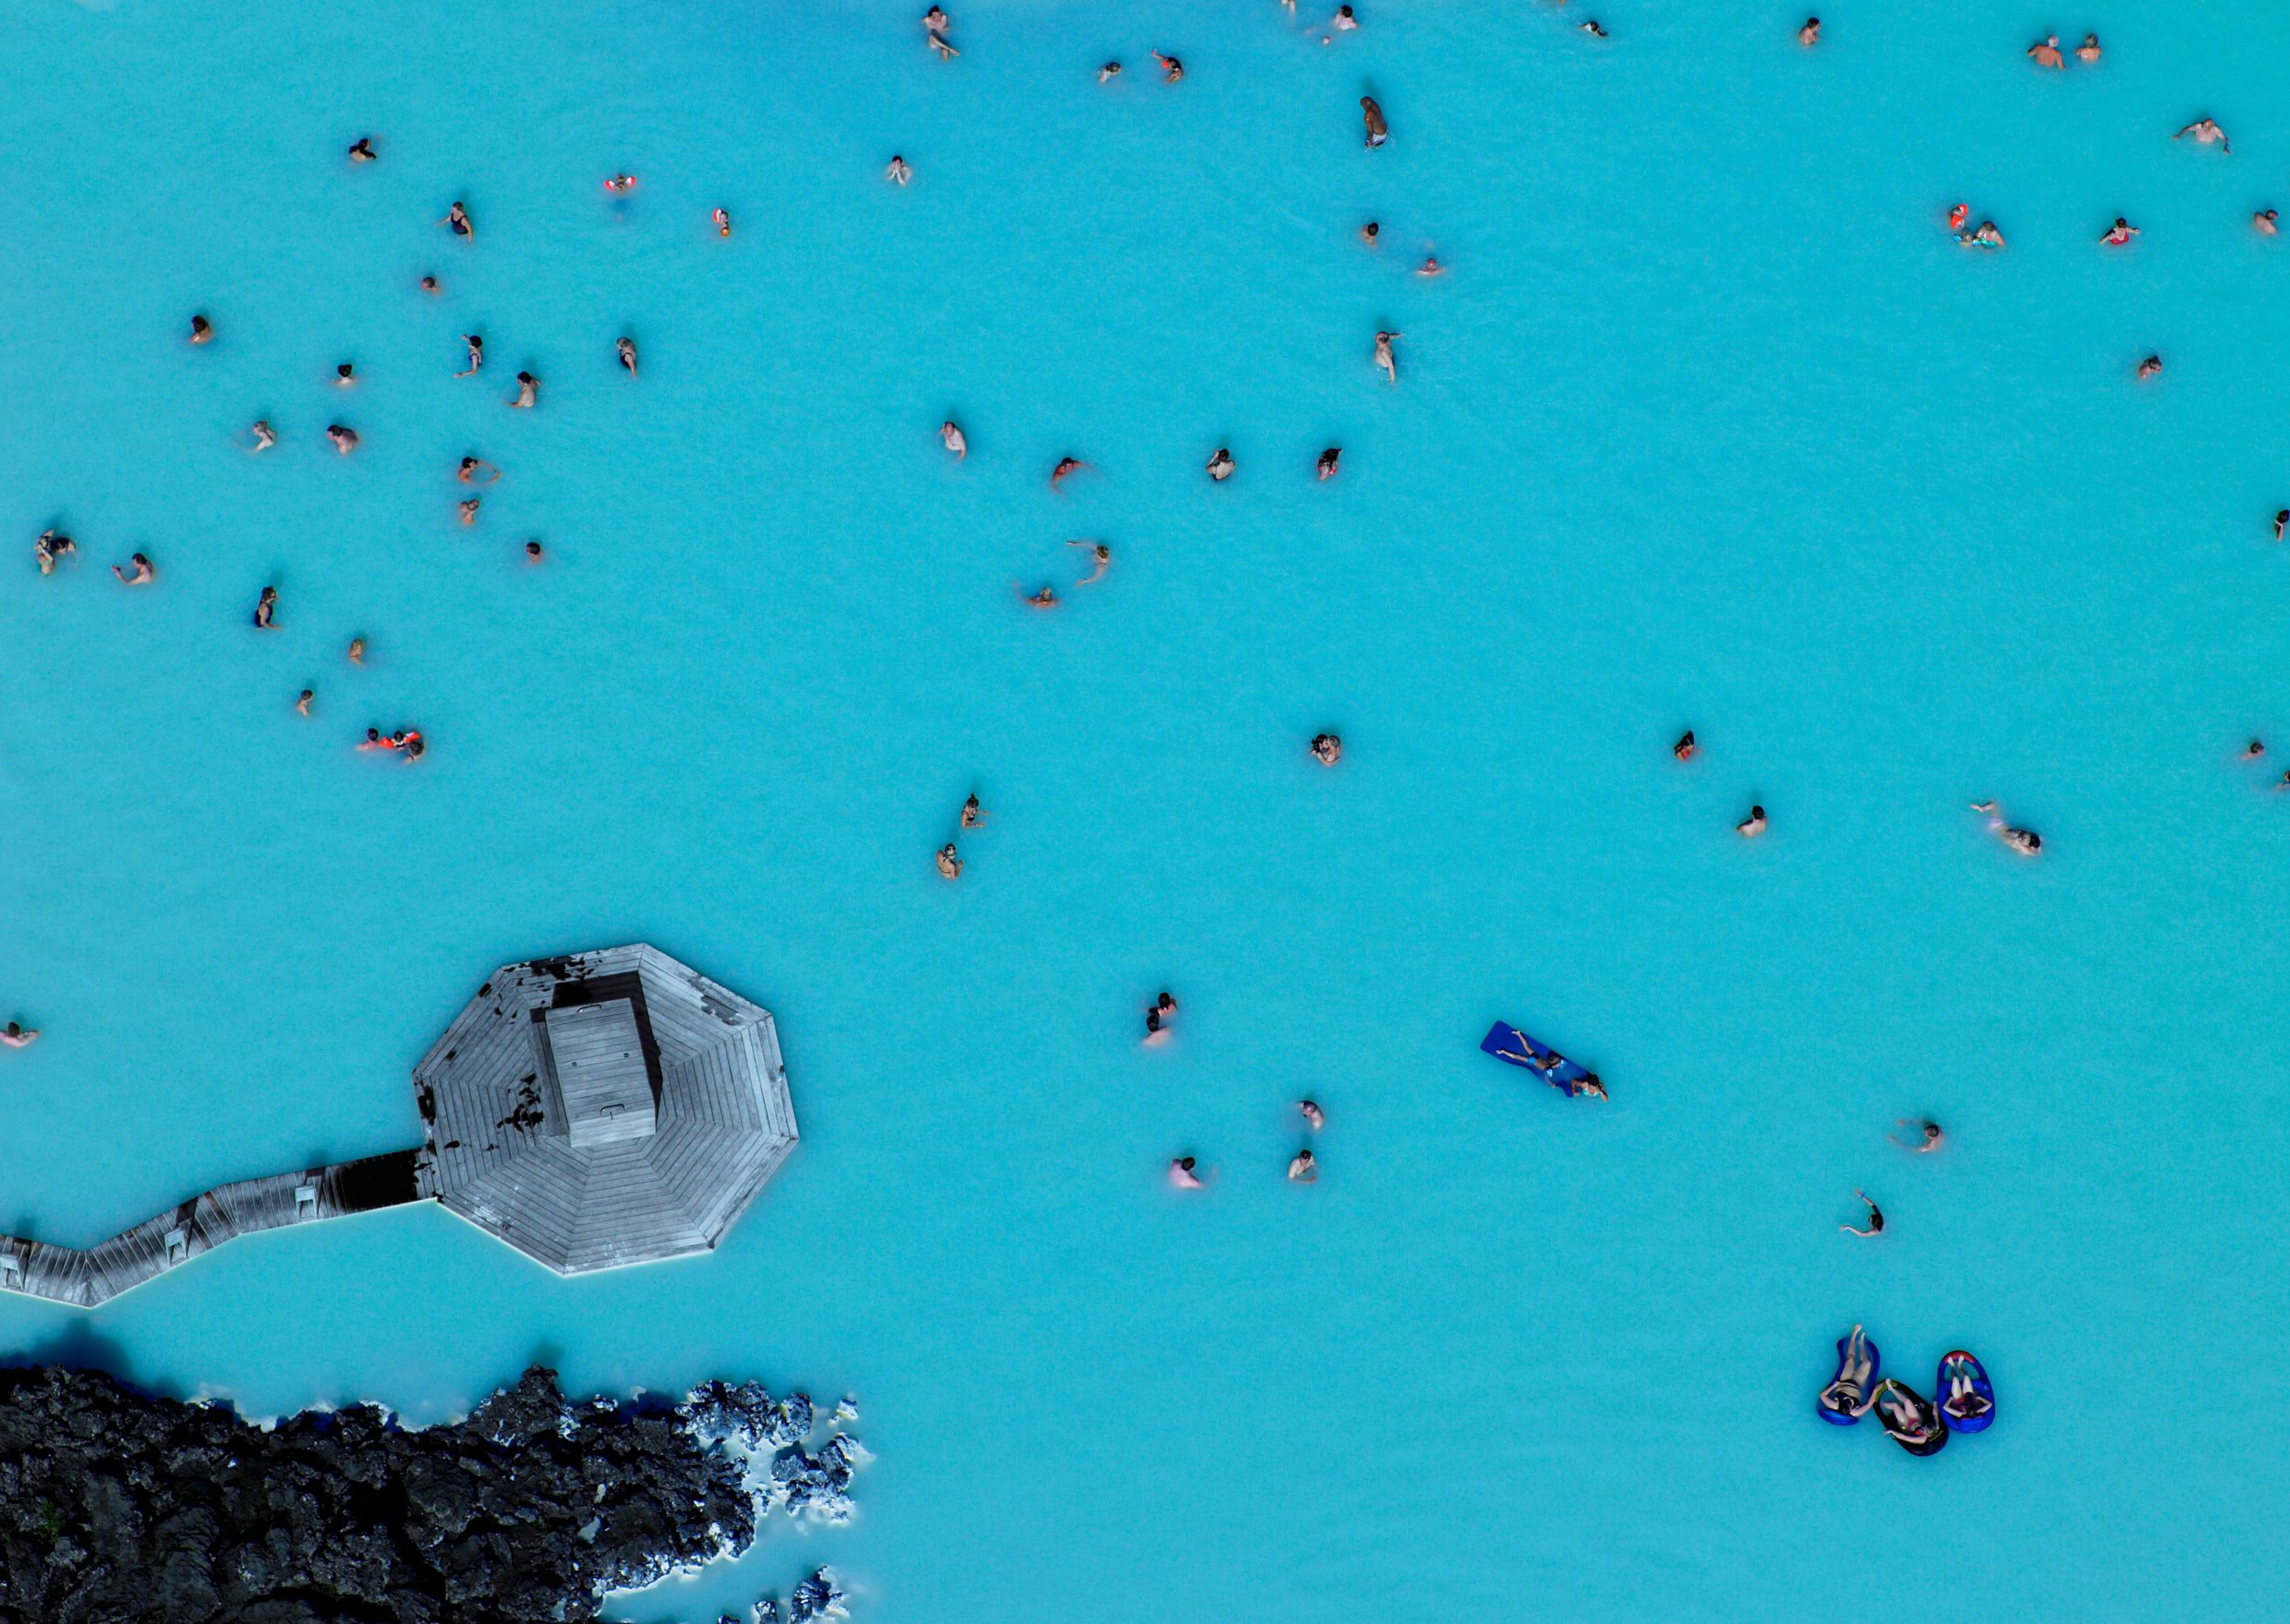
x=52, y=546
x=1185, y=1172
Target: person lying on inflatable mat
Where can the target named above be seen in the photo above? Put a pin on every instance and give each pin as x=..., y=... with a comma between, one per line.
x=1848, y=1395
x=1963, y=1400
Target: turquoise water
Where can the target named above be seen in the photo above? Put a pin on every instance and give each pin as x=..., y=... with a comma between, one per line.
x=1709, y=425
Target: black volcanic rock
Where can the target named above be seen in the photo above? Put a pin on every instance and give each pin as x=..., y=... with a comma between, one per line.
x=117, y=1506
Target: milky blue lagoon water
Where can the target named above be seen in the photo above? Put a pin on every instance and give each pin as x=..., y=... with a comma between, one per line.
x=1709, y=425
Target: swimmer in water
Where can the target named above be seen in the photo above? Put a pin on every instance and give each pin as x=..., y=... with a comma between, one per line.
x=1431, y=266
x=346, y=376
x=2266, y=222
x=413, y=743
x=1220, y=464
x=2207, y=132
x=2047, y=54
x=1045, y=599
x=626, y=348
x=377, y=740
x=723, y=222
x=357, y=651
x=1327, y=748
x=2281, y=519
x=1158, y=1016
x=1372, y=233
x=467, y=508
x=949, y=861
x=266, y=609
x=950, y=438
x=2118, y=233
x=898, y=170
x=473, y=466
x=1928, y=1135
x=1984, y=236
x=346, y=440
x=1065, y=465
x=1594, y=28
x=1108, y=70
x=429, y=285
x=476, y=353
x=1385, y=358
x=1314, y=1118
x=1685, y=747
x=1330, y=459
x=1172, y=69
x=1345, y=21
x=464, y=227
x=361, y=150
x=1303, y=1169
x=2254, y=749
x=1101, y=555
x=1372, y=116
x=527, y=391
x=973, y=814
x=1958, y=215
x=1751, y=827
x=201, y=331
x=1876, y=1221
x=2026, y=842
x=1182, y=1175
x=17, y=1035
x=302, y=700
x=620, y=185
x=2150, y=367
x=1810, y=35
x=138, y=572
x=532, y=552
x=2089, y=50
x=50, y=547
x=265, y=436
x=934, y=26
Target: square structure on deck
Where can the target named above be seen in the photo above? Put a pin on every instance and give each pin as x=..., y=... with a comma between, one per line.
x=599, y=1060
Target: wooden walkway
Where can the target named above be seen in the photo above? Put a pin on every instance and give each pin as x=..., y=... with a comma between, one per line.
x=84, y=1278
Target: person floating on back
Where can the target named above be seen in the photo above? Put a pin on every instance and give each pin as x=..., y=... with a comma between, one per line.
x=935, y=23
x=2026, y=842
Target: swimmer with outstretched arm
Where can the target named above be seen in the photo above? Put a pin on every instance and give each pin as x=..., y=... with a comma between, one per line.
x=1876, y=1221
x=1103, y=557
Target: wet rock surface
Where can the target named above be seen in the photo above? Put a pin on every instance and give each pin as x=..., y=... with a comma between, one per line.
x=117, y=1505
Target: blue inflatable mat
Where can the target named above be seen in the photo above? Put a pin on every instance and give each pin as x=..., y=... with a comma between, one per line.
x=1509, y=1043
x=1966, y=1423
x=1876, y=1364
